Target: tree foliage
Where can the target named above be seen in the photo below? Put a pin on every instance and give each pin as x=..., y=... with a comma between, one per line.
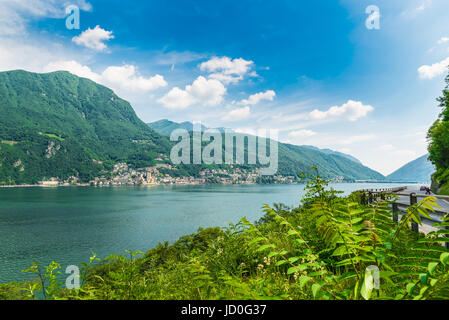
x=438, y=137
x=56, y=124
x=326, y=249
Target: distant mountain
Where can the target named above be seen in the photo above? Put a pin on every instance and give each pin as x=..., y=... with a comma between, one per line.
x=166, y=127
x=60, y=125
x=329, y=151
x=419, y=170
x=294, y=160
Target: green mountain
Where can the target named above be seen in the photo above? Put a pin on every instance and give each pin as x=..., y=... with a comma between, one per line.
x=60, y=125
x=166, y=127
x=329, y=151
x=57, y=124
x=419, y=170
x=294, y=160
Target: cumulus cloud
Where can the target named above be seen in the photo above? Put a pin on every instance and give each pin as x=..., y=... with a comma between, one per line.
x=73, y=67
x=237, y=114
x=351, y=110
x=177, y=99
x=205, y=92
x=93, y=38
x=128, y=78
x=434, y=70
x=227, y=70
x=443, y=40
x=124, y=77
x=256, y=98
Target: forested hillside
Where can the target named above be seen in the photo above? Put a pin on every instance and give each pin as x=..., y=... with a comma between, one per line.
x=419, y=170
x=60, y=125
x=438, y=136
x=56, y=124
x=294, y=160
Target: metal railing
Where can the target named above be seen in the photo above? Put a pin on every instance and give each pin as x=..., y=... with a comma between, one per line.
x=370, y=196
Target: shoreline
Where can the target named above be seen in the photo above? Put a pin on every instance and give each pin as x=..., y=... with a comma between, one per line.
x=181, y=184
x=41, y=186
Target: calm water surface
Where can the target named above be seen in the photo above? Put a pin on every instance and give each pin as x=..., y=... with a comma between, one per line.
x=67, y=224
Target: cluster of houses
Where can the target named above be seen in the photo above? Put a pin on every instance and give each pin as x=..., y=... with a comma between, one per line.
x=122, y=174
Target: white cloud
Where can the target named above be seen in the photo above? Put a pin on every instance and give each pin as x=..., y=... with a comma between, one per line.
x=416, y=10
x=248, y=131
x=227, y=70
x=237, y=114
x=424, y=4
x=443, y=40
x=177, y=99
x=26, y=56
x=123, y=77
x=351, y=110
x=93, y=38
x=15, y=14
x=302, y=133
x=259, y=132
x=127, y=78
x=436, y=69
x=256, y=98
x=203, y=92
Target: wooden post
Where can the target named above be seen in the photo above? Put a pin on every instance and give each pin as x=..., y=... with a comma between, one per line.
x=413, y=201
x=395, y=212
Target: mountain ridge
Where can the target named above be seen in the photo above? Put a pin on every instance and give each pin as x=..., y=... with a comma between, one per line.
x=294, y=160
x=418, y=170
x=60, y=125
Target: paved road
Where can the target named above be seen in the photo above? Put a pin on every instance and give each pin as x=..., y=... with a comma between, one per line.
x=443, y=204
x=427, y=224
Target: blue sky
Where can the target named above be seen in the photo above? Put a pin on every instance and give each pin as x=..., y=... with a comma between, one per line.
x=310, y=69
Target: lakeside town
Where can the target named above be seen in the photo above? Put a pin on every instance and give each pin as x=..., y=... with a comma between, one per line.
x=123, y=175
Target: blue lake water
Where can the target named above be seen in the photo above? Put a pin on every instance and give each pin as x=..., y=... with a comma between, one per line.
x=66, y=224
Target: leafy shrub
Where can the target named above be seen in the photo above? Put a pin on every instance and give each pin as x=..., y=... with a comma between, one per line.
x=324, y=249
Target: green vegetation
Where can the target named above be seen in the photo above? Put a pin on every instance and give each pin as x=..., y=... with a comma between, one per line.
x=56, y=124
x=438, y=136
x=53, y=136
x=320, y=250
x=295, y=159
x=165, y=127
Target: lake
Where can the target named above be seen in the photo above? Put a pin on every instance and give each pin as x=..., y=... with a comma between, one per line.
x=66, y=224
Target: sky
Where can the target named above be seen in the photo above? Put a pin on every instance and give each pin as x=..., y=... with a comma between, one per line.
x=333, y=74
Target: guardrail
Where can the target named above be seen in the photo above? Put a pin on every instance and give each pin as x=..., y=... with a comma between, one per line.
x=418, y=195
x=369, y=196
